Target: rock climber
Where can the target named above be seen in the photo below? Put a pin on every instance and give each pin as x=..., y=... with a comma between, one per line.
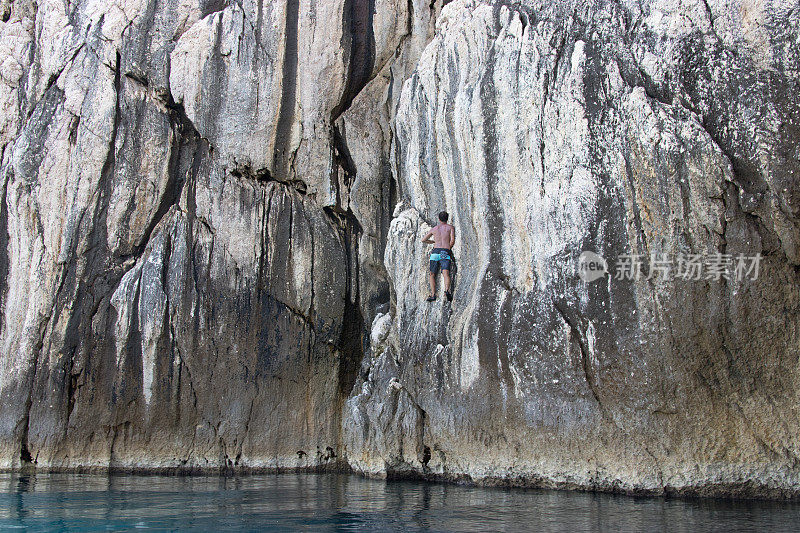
x=442, y=236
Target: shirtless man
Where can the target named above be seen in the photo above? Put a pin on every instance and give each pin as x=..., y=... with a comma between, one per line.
x=443, y=237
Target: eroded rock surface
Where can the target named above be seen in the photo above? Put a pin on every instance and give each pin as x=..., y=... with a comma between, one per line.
x=616, y=128
x=180, y=260
x=210, y=226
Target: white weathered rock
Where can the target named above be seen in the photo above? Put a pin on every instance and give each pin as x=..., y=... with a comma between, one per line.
x=608, y=130
x=166, y=302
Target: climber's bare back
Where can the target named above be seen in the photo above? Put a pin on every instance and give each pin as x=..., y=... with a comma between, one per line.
x=444, y=235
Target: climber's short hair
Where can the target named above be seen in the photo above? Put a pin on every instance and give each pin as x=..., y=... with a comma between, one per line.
x=443, y=216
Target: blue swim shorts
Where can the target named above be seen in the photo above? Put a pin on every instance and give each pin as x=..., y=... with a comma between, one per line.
x=440, y=258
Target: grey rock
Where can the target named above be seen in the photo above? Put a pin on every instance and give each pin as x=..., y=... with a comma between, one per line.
x=546, y=131
x=170, y=297
x=210, y=230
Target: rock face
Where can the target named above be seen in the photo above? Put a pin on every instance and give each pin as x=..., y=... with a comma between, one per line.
x=547, y=131
x=210, y=239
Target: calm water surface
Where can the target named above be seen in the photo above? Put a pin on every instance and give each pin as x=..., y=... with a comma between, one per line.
x=310, y=502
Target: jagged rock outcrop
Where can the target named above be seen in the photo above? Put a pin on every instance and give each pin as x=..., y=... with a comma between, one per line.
x=618, y=128
x=180, y=257
x=210, y=256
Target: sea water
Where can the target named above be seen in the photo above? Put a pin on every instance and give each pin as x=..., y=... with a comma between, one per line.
x=327, y=502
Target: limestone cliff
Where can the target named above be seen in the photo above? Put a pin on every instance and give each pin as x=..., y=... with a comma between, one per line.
x=210, y=226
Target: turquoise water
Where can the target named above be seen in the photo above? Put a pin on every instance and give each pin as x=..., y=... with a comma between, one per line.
x=307, y=502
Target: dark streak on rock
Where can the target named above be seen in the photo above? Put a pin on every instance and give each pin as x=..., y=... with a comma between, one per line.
x=4, y=238
x=359, y=40
x=352, y=340
x=283, y=131
x=487, y=333
x=586, y=365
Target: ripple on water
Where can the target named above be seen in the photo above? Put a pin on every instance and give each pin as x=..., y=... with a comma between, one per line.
x=47, y=502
